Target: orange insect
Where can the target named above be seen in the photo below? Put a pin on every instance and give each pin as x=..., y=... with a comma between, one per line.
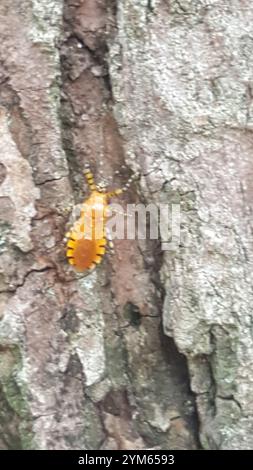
x=86, y=241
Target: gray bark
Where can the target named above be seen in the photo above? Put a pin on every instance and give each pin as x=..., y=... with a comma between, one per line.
x=152, y=350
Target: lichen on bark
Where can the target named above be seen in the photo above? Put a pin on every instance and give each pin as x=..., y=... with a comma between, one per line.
x=181, y=84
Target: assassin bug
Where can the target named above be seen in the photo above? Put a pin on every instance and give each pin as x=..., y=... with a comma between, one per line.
x=85, y=249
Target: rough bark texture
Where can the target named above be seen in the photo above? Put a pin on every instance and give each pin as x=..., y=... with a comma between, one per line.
x=152, y=350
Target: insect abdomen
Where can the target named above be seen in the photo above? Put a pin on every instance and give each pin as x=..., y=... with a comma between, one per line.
x=83, y=253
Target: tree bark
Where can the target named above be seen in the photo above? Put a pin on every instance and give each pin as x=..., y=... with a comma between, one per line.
x=153, y=349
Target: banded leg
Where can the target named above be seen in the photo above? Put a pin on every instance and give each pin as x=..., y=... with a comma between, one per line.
x=114, y=193
x=90, y=178
x=110, y=243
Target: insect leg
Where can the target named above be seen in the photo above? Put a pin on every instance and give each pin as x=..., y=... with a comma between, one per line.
x=114, y=193
x=109, y=240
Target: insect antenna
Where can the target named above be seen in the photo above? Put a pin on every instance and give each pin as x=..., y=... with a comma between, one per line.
x=124, y=188
x=89, y=177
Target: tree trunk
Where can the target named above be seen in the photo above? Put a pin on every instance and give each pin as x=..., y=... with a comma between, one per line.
x=153, y=349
